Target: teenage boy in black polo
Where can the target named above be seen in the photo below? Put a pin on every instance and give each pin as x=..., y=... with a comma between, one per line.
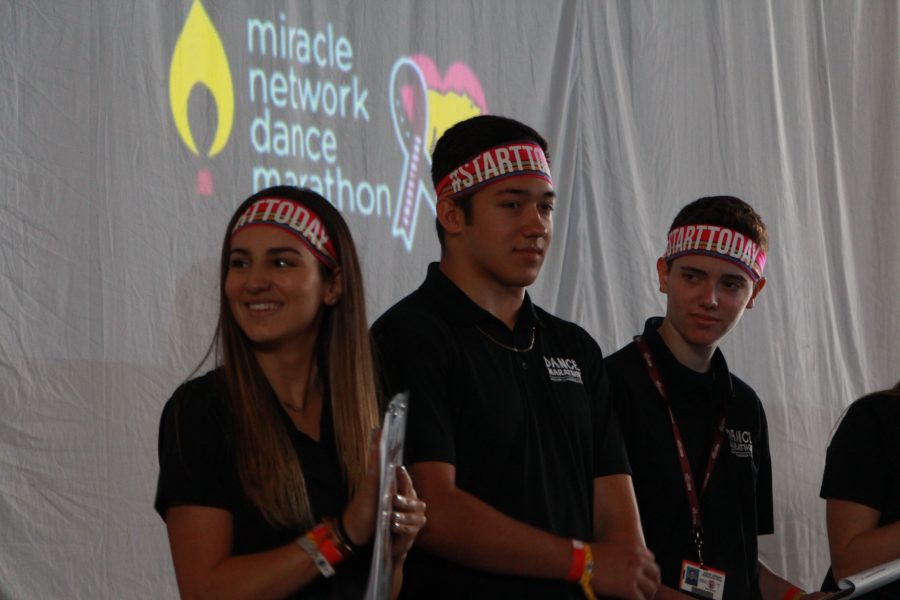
x=672, y=383
x=510, y=438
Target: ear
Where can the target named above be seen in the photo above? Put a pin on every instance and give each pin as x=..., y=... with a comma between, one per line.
x=450, y=216
x=334, y=288
x=757, y=288
x=662, y=271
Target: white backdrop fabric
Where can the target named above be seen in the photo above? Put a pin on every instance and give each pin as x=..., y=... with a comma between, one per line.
x=122, y=157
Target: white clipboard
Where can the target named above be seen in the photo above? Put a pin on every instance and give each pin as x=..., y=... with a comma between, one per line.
x=390, y=456
x=868, y=580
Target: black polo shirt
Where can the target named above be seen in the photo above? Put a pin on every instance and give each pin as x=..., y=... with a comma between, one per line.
x=198, y=466
x=527, y=431
x=737, y=505
x=863, y=466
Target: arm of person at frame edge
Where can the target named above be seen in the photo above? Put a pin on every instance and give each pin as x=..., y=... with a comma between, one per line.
x=467, y=530
x=856, y=541
x=773, y=587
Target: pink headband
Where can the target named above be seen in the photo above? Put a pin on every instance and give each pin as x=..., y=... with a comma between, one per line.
x=293, y=217
x=720, y=242
x=513, y=159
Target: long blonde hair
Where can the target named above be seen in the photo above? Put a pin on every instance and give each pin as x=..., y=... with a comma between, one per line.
x=270, y=472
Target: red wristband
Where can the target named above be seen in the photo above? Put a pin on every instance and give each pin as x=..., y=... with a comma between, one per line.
x=326, y=545
x=331, y=553
x=577, y=566
x=793, y=593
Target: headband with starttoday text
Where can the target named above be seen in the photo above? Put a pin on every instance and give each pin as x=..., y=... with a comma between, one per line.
x=720, y=242
x=512, y=159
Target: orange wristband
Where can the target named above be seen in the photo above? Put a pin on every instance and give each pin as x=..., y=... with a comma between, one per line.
x=577, y=566
x=324, y=540
x=309, y=544
x=793, y=593
x=334, y=528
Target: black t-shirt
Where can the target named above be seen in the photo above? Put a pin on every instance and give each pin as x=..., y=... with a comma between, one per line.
x=527, y=431
x=737, y=504
x=198, y=466
x=863, y=466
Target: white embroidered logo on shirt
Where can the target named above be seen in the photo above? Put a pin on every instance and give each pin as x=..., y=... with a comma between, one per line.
x=563, y=369
x=741, y=443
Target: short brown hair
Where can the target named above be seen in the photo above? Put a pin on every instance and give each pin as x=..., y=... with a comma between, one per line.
x=468, y=138
x=725, y=211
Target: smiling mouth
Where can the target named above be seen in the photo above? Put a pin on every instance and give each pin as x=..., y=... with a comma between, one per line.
x=263, y=306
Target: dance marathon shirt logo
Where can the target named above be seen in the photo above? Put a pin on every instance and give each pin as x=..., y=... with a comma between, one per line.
x=563, y=369
x=717, y=241
x=199, y=58
x=741, y=443
x=424, y=105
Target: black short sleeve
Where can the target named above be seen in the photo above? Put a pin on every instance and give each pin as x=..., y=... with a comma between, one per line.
x=854, y=464
x=193, y=454
x=610, y=457
x=415, y=360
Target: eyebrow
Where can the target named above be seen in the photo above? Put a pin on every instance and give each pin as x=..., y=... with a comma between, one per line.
x=729, y=276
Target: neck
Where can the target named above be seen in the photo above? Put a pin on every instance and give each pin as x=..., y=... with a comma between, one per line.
x=292, y=374
x=500, y=300
x=696, y=358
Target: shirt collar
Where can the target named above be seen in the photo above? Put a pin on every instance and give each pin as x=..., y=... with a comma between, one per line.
x=453, y=303
x=681, y=380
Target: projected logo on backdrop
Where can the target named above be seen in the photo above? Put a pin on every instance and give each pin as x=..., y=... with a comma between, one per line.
x=199, y=58
x=305, y=100
x=423, y=106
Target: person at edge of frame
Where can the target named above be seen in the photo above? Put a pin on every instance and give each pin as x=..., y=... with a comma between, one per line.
x=696, y=434
x=510, y=436
x=861, y=488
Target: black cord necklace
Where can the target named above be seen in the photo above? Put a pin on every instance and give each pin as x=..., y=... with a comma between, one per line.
x=505, y=346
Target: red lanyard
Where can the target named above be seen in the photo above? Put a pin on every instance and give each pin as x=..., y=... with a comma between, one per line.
x=718, y=440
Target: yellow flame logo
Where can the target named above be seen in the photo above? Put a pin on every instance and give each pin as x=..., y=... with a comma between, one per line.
x=199, y=58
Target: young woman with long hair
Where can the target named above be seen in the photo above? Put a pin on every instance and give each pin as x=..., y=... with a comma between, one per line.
x=267, y=483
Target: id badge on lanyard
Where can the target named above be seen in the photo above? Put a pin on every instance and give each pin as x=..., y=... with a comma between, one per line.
x=701, y=580
x=696, y=577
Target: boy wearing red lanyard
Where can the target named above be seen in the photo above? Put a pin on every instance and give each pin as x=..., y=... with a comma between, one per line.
x=696, y=435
